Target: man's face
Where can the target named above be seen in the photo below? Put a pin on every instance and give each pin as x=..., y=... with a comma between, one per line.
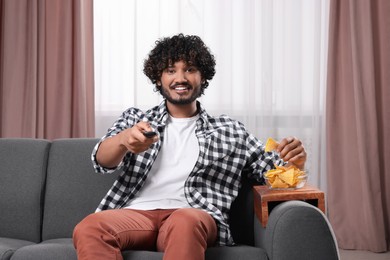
x=181, y=83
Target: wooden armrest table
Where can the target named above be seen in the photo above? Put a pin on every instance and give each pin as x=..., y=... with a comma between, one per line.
x=265, y=198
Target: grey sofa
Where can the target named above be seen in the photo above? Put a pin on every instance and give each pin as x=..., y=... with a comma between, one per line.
x=47, y=187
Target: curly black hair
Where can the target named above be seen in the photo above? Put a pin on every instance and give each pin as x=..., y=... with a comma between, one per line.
x=187, y=48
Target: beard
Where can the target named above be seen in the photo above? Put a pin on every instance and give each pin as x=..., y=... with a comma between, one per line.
x=181, y=100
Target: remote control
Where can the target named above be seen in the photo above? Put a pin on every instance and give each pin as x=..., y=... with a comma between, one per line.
x=150, y=134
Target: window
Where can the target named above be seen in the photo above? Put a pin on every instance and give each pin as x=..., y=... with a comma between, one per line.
x=271, y=62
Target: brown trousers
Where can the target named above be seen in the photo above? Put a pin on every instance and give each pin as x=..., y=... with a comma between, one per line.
x=179, y=233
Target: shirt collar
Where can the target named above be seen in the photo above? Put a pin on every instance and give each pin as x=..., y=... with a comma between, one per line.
x=163, y=113
x=203, y=116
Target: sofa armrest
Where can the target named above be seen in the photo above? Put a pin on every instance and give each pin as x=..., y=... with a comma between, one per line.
x=297, y=230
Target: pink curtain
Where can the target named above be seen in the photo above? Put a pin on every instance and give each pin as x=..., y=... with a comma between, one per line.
x=358, y=123
x=46, y=68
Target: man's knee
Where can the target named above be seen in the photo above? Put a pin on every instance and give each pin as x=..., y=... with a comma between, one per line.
x=88, y=226
x=188, y=228
x=192, y=220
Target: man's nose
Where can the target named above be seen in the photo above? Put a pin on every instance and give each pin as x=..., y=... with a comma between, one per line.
x=180, y=77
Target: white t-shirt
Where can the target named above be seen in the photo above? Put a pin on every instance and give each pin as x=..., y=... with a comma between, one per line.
x=164, y=186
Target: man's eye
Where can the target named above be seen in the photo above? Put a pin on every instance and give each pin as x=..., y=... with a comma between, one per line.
x=191, y=69
x=170, y=71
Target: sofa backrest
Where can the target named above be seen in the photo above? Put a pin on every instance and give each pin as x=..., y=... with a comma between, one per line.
x=73, y=189
x=23, y=165
x=242, y=214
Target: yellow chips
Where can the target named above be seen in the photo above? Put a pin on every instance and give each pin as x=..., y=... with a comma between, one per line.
x=284, y=177
x=271, y=145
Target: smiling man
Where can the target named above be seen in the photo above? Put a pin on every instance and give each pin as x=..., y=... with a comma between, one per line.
x=174, y=189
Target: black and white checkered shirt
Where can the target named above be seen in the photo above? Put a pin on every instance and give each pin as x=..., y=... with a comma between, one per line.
x=227, y=150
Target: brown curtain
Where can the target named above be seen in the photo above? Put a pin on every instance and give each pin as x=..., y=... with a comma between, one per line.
x=358, y=123
x=46, y=68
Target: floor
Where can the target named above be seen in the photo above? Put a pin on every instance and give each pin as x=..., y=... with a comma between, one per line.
x=363, y=255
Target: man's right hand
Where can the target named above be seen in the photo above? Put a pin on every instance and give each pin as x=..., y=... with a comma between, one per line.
x=112, y=150
x=134, y=140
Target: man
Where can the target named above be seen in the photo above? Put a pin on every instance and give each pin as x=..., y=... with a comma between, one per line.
x=175, y=188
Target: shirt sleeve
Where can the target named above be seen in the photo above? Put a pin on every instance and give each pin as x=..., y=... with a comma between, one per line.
x=260, y=161
x=126, y=120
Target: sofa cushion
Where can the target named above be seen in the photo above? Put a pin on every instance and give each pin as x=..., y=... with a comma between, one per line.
x=73, y=189
x=22, y=175
x=236, y=253
x=58, y=249
x=8, y=246
x=212, y=253
x=62, y=249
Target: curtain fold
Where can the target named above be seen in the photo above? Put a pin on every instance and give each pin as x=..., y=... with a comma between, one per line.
x=46, y=82
x=358, y=129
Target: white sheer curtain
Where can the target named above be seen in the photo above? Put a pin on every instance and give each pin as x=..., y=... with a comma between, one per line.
x=271, y=62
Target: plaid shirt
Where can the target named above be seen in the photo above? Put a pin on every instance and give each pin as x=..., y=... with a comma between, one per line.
x=227, y=150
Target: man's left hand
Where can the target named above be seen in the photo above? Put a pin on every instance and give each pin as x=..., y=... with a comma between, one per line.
x=291, y=150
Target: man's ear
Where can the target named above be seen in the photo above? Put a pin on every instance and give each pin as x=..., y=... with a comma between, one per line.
x=158, y=86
